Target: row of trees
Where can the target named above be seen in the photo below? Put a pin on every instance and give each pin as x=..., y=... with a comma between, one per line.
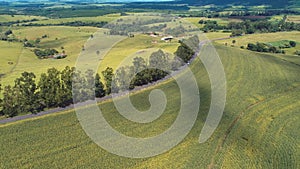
x=73, y=23
x=10, y=23
x=41, y=54
x=141, y=72
x=250, y=27
x=53, y=89
x=219, y=12
x=266, y=47
x=263, y=47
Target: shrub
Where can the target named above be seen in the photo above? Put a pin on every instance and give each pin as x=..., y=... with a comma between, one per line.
x=292, y=43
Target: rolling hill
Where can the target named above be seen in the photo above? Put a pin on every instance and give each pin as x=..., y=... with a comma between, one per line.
x=273, y=3
x=259, y=128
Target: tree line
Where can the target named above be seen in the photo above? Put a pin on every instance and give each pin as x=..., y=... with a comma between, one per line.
x=250, y=27
x=264, y=47
x=73, y=23
x=41, y=54
x=53, y=89
x=10, y=23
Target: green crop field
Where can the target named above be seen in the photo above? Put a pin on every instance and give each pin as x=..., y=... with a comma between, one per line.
x=259, y=128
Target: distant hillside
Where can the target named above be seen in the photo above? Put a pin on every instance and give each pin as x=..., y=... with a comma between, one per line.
x=273, y=3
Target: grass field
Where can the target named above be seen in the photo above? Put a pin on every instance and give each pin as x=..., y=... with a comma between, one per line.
x=139, y=46
x=293, y=18
x=276, y=18
x=267, y=38
x=8, y=18
x=221, y=21
x=217, y=35
x=107, y=18
x=71, y=38
x=259, y=129
x=290, y=18
x=9, y=56
x=17, y=59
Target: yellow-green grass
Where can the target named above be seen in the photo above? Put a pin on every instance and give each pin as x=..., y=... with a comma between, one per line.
x=71, y=38
x=221, y=21
x=290, y=18
x=293, y=18
x=9, y=56
x=266, y=37
x=140, y=45
x=8, y=18
x=217, y=35
x=276, y=18
x=105, y=18
x=266, y=135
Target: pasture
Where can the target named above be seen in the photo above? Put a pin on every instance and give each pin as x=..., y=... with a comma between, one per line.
x=266, y=38
x=259, y=128
x=293, y=18
x=70, y=38
x=13, y=18
x=9, y=56
x=105, y=18
x=139, y=46
x=221, y=21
